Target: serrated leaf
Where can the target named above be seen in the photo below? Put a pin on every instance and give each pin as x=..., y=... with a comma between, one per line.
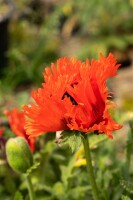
x=18, y=196
x=125, y=197
x=128, y=186
x=33, y=167
x=72, y=139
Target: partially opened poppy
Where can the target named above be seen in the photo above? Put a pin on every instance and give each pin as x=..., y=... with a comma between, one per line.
x=17, y=121
x=74, y=96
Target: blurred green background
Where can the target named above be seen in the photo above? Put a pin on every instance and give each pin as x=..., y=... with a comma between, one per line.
x=37, y=32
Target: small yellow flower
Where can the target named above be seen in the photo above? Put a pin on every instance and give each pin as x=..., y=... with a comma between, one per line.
x=80, y=162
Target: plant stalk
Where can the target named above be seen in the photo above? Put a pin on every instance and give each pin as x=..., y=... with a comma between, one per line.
x=89, y=167
x=30, y=188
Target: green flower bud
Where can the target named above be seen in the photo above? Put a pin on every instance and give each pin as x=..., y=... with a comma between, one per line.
x=19, y=155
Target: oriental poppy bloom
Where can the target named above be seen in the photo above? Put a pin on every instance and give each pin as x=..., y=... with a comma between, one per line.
x=74, y=96
x=17, y=121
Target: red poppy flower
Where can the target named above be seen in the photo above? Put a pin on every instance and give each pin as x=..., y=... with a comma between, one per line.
x=17, y=121
x=74, y=96
x=1, y=131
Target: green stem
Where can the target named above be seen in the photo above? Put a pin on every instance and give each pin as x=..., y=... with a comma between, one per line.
x=30, y=188
x=89, y=167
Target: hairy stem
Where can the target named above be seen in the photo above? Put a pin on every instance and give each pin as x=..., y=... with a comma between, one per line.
x=89, y=166
x=30, y=188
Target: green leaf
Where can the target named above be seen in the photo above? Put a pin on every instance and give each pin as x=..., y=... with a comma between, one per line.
x=96, y=139
x=67, y=172
x=79, y=192
x=129, y=145
x=18, y=196
x=49, y=146
x=128, y=186
x=125, y=197
x=71, y=139
x=9, y=184
x=58, y=190
x=43, y=187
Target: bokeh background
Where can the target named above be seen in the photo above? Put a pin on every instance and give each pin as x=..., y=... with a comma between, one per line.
x=35, y=33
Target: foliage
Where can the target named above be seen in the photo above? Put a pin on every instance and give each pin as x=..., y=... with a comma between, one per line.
x=128, y=186
x=18, y=196
x=125, y=197
x=37, y=36
x=59, y=177
x=73, y=140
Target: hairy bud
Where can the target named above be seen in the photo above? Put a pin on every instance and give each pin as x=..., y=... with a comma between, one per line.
x=19, y=155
